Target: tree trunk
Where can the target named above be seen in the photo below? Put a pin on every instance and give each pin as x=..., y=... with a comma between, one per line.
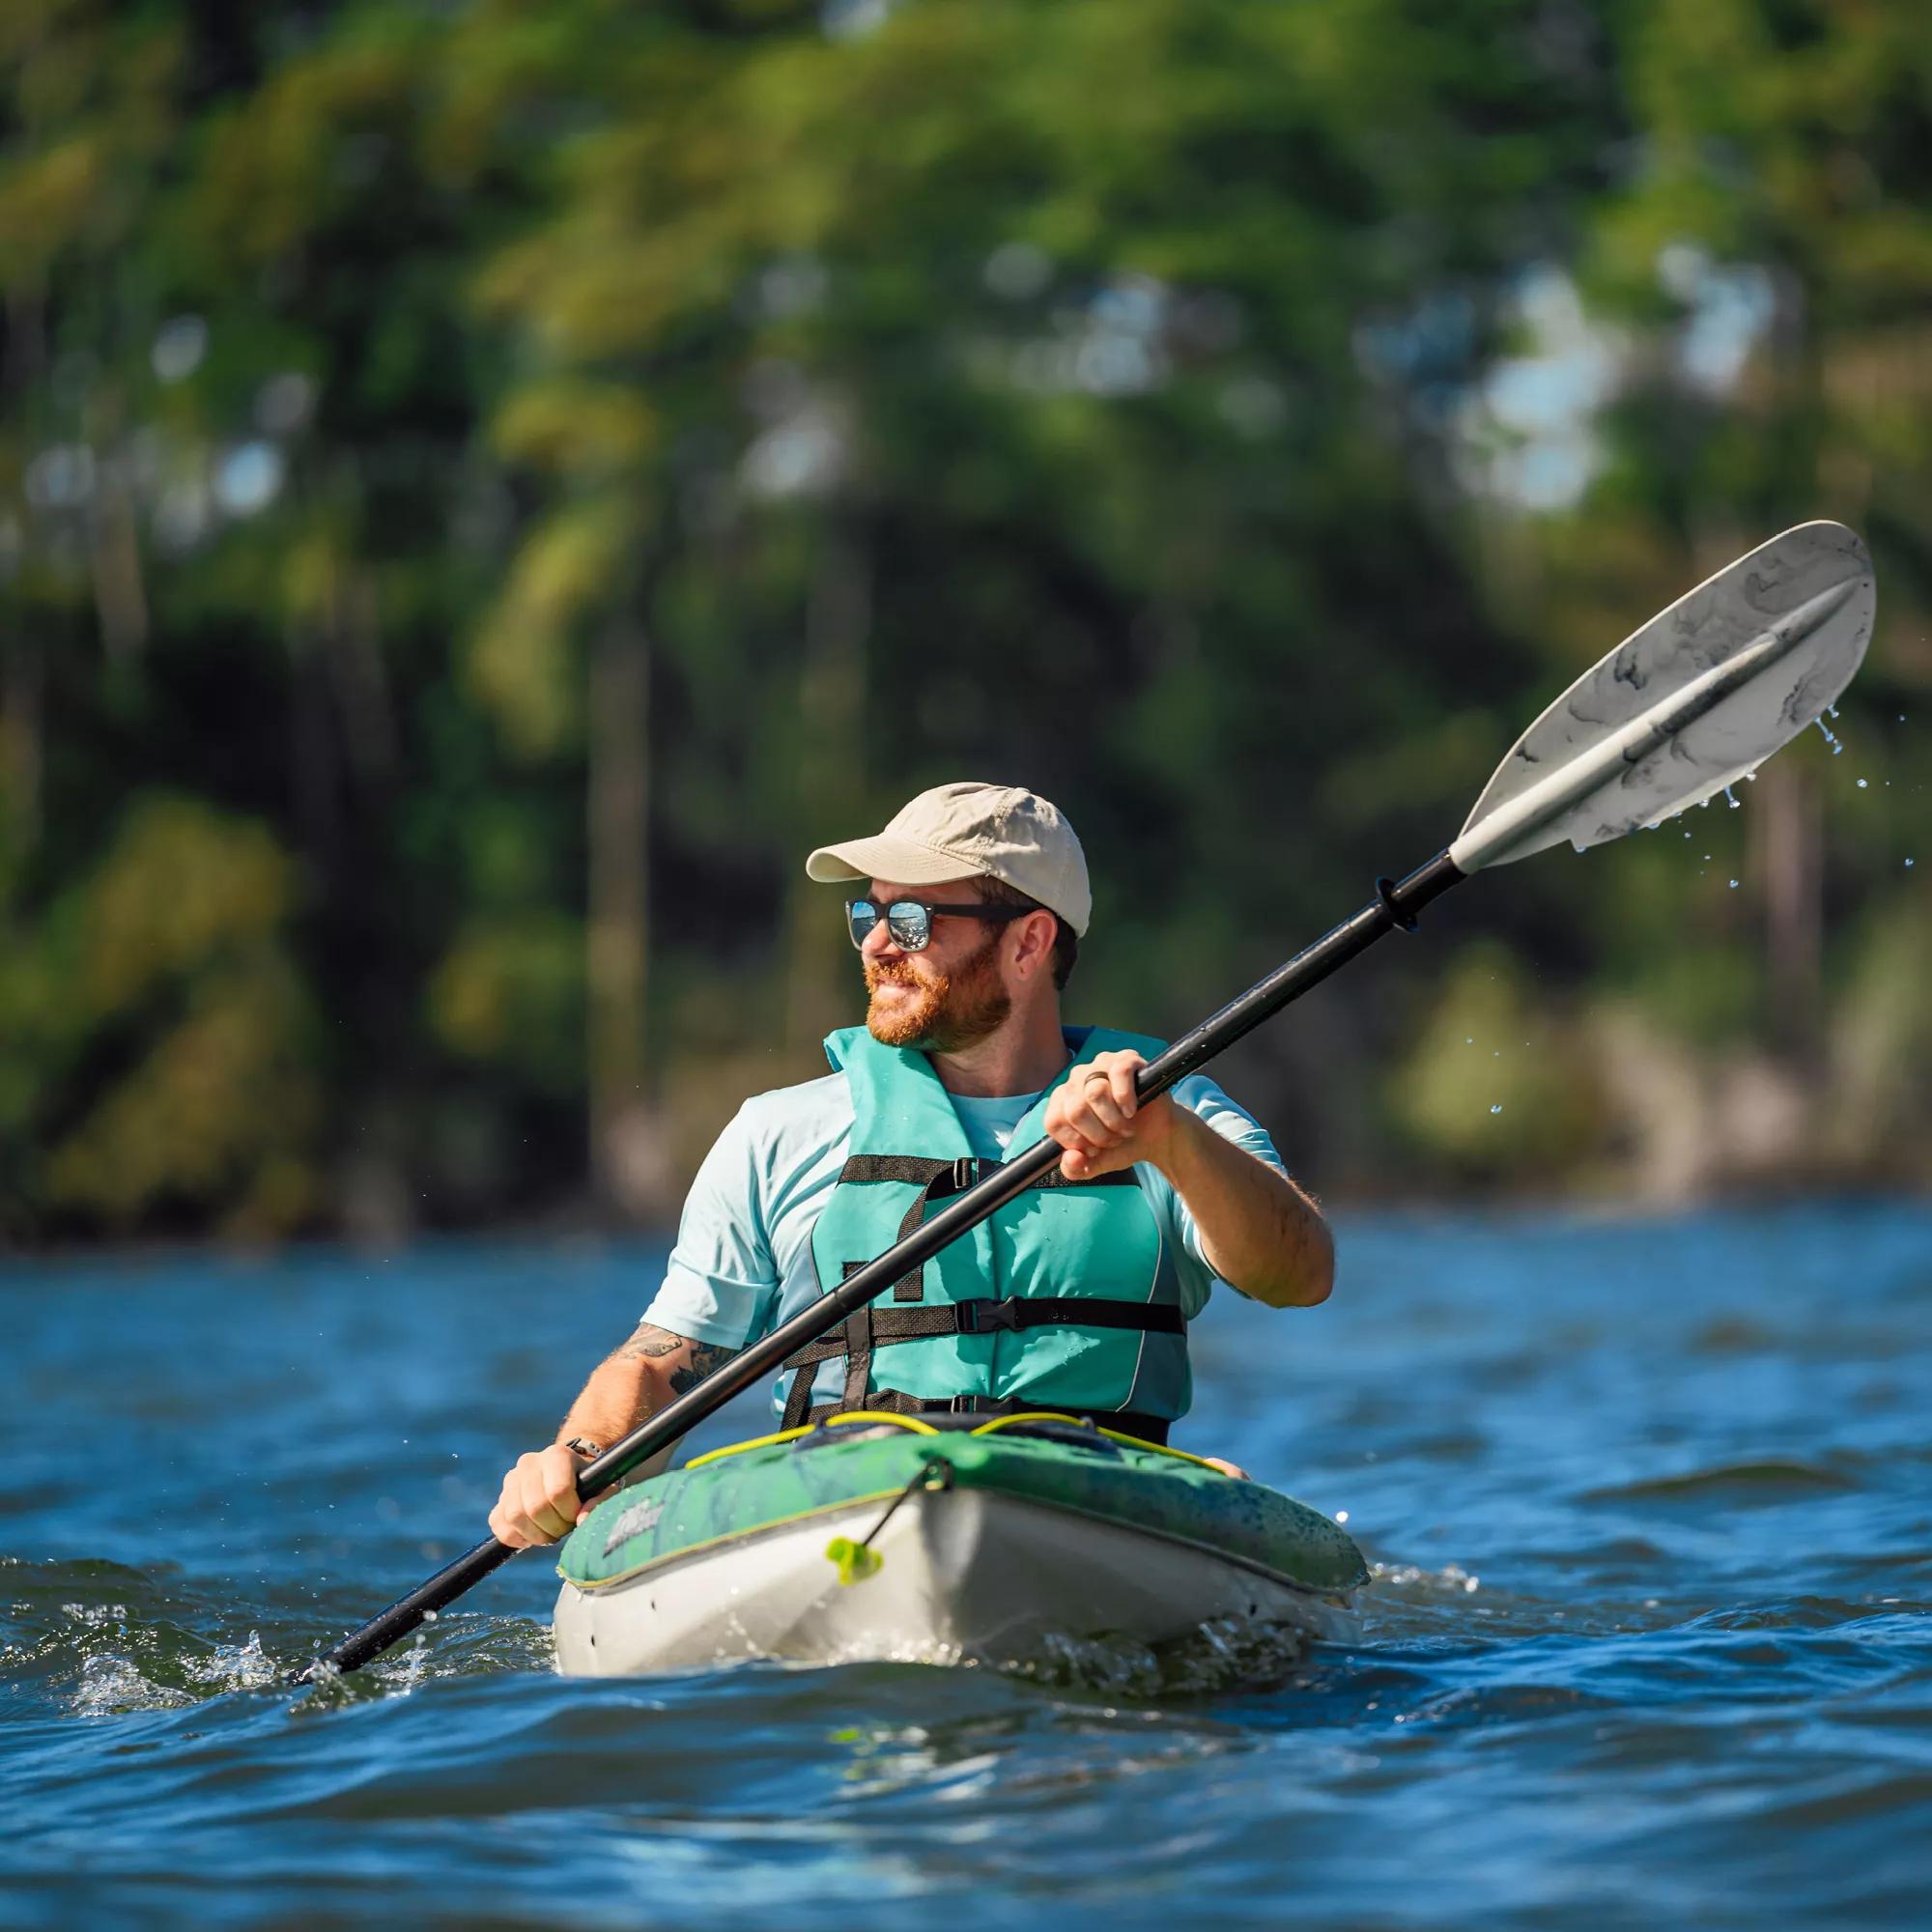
x=1789, y=862
x=23, y=360
x=114, y=564
x=831, y=782
x=361, y=680
x=314, y=779
x=22, y=676
x=628, y=1167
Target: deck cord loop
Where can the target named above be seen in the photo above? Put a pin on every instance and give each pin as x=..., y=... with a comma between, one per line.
x=856, y=1561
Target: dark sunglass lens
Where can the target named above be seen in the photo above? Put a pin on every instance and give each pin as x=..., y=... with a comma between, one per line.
x=910, y=925
x=861, y=916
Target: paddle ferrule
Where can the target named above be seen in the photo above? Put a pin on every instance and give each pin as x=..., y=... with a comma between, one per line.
x=1394, y=907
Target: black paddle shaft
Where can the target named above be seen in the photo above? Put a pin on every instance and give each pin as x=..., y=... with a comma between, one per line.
x=1396, y=904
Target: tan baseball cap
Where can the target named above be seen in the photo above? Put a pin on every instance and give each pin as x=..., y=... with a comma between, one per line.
x=1001, y=832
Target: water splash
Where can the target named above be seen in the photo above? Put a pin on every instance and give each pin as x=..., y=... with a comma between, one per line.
x=235, y=1666
x=1451, y=1579
x=111, y=1687
x=1220, y=1655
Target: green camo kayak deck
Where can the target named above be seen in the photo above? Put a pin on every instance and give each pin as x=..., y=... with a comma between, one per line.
x=745, y=1493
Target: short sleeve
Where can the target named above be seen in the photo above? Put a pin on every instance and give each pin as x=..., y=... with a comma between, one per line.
x=721, y=1282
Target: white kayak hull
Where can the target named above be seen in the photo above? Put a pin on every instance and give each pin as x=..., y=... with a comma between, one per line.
x=966, y=1574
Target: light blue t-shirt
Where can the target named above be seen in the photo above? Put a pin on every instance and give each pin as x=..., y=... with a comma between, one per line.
x=743, y=1260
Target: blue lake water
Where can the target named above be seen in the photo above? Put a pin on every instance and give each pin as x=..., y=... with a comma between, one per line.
x=1650, y=1504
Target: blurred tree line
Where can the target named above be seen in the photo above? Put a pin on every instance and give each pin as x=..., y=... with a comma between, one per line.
x=485, y=486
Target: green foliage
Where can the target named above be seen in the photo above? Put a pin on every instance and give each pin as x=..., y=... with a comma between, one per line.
x=156, y=1044
x=1885, y=1044
x=510, y=994
x=1497, y=1084
x=483, y=489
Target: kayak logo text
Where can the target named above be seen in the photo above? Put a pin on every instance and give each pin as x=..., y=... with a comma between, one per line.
x=634, y=1522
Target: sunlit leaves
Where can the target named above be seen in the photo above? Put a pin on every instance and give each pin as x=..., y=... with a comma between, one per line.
x=180, y=886
x=522, y=663
x=574, y=428
x=1498, y=1085
x=156, y=1044
x=510, y=993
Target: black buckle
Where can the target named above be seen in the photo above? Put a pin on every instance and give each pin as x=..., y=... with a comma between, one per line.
x=971, y=1404
x=984, y=1316
x=965, y=1172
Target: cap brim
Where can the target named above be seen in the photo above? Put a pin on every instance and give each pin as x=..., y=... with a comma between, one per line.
x=901, y=862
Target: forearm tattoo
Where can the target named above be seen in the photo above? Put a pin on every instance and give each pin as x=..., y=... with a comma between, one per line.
x=652, y=1343
x=704, y=1357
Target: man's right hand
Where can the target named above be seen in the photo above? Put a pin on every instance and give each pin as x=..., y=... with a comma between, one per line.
x=539, y=1503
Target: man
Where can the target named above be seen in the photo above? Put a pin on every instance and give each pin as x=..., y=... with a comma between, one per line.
x=1075, y=1296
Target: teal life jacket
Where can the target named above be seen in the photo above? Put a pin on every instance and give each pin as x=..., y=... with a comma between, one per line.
x=1063, y=1298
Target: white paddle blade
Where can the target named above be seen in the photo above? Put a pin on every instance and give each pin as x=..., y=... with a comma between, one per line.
x=1692, y=702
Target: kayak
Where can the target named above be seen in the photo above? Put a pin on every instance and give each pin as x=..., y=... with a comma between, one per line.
x=875, y=1537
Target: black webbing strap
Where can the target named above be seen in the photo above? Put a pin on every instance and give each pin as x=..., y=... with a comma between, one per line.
x=858, y=1350
x=873, y=1328
x=895, y=1402
x=936, y=1179
x=1011, y=1317
x=870, y=1328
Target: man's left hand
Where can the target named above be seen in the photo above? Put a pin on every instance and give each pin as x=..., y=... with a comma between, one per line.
x=1100, y=1123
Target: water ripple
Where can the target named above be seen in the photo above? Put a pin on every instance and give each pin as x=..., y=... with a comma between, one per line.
x=1647, y=1645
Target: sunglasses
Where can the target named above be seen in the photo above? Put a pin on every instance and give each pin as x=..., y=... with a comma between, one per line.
x=910, y=923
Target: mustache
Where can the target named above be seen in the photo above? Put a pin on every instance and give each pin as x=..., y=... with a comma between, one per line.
x=892, y=972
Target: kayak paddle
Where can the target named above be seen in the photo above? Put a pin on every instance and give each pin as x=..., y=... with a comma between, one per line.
x=1696, y=700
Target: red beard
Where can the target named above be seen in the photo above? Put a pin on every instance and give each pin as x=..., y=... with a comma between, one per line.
x=947, y=1010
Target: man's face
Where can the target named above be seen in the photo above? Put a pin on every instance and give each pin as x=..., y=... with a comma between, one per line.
x=946, y=996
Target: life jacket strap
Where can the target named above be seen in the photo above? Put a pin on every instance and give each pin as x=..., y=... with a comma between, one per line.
x=871, y=1329
x=936, y=1179
x=895, y=1402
